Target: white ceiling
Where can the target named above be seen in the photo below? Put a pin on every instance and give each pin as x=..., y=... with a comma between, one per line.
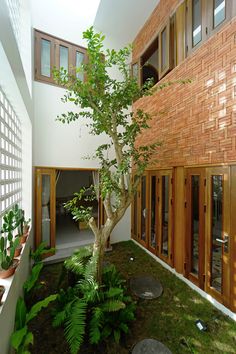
x=122, y=19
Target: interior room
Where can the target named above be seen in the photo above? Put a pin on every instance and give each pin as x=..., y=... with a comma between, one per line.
x=68, y=231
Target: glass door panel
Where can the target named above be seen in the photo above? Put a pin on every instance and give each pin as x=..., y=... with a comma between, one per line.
x=195, y=181
x=217, y=234
x=165, y=215
x=143, y=209
x=153, y=213
x=135, y=213
x=195, y=221
x=45, y=213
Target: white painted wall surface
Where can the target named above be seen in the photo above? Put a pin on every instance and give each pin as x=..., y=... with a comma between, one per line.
x=56, y=144
x=66, y=19
x=15, y=81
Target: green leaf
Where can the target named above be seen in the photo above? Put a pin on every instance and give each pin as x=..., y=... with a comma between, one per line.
x=113, y=292
x=75, y=326
x=124, y=327
x=29, y=339
x=117, y=335
x=112, y=306
x=20, y=317
x=18, y=336
x=31, y=281
x=95, y=324
x=38, y=307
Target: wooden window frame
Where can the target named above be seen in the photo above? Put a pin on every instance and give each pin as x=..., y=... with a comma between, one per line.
x=165, y=70
x=208, y=29
x=189, y=26
x=55, y=56
x=149, y=51
x=228, y=14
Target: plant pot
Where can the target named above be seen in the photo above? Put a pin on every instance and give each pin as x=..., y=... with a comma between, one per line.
x=23, y=238
x=17, y=251
x=26, y=230
x=10, y=271
x=2, y=291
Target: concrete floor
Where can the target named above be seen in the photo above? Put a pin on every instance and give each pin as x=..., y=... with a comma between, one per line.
x=69, y=238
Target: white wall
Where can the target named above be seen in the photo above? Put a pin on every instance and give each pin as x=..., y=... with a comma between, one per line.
x=66, y=19
x=15, y=81
x=56, y=144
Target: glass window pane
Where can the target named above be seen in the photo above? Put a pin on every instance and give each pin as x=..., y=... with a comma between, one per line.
x=219, y=12
x=165, y=215
x=79, y=61
x=163, y=49
x=46, y=209
x=195, y=223
x=216, y=232
x=135, y=212
x=143, y=209
x=153, y=212
x=45, y=58
x=64, y=53
x=197, y=21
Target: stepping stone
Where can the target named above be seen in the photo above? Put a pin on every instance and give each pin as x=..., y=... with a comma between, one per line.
x=150, y=346
x=146, y=287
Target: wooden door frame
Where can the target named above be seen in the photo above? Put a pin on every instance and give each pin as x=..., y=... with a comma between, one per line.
x=225, y=296
x=200, y=279
x=38, y=199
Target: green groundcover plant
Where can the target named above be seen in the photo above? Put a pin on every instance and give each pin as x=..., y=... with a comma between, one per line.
x=102, y=311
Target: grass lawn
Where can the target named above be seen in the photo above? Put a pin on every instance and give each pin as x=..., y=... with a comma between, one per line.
x=169, y=319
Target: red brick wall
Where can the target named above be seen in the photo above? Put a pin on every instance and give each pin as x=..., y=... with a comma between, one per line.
x=196, y=122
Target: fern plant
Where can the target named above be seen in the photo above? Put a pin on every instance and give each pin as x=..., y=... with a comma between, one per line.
x=102, y=311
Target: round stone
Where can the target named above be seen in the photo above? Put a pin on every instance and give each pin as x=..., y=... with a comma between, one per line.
x=150, y=346
x=146, y=287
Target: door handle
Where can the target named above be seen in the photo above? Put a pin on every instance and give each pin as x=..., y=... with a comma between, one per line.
x=224, y=242
x=221, y=241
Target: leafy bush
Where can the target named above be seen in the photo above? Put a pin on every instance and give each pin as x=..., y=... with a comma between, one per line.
x=22, y=337
x=103, y=311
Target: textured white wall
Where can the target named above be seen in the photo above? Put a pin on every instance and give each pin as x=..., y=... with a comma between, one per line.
x=15, y=80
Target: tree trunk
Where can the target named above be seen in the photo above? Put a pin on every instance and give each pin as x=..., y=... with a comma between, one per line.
x=98, y=252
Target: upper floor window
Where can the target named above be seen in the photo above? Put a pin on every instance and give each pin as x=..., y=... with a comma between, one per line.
x=193, y=22
x=205, y=17
x=196, y=22
x=219, y=12
x=51, y=52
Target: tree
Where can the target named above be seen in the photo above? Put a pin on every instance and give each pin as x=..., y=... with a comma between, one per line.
x=106, y=104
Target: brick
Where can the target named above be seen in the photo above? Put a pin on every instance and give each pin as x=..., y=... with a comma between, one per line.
x=197, y=121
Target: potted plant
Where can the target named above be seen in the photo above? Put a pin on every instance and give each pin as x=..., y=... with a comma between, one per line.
x=2, y=291
x=8, y=263
x=26, y=226
x=8, y=227
x=19, y=220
